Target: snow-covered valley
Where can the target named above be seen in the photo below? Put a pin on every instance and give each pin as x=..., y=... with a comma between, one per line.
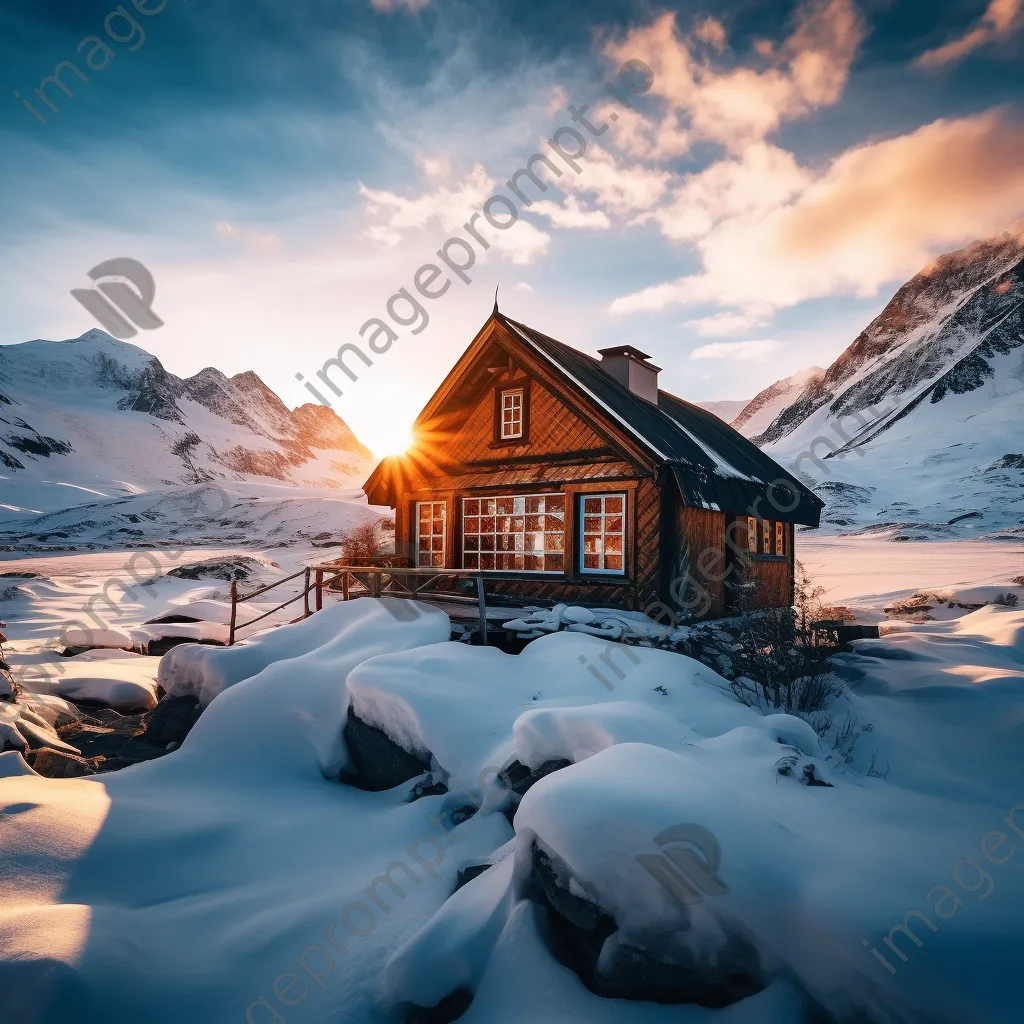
x=258, y=873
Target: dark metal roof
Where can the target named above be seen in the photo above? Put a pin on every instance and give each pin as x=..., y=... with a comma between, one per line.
x=714, y=465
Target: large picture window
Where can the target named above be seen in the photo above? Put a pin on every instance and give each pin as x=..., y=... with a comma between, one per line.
x=603, y=533
x=525, y=533
x=430, y=534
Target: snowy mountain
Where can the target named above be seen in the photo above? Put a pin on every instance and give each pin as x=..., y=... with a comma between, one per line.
x=916, y=429
x=759, y=412
x=98, y=417
x=725, y=410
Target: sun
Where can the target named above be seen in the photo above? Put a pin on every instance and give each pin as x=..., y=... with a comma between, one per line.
x=387, y=437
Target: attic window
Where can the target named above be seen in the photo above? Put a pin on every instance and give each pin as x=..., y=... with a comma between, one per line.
x=511, y=414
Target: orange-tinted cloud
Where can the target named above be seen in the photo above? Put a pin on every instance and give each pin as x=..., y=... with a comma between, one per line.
x=1000, y=19
x=735, y=106
x=876, y=215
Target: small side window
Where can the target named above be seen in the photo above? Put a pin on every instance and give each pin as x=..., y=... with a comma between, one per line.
x=752, y=534
x=780, y=539
x=511, y=414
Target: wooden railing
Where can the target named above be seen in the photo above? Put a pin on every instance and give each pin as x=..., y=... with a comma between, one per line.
x=363, y=581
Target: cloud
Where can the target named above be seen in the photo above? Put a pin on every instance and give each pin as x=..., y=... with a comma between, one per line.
x=1000, y=19
x=393, y=5
x=251, y=237
x=738, y=105
x=877, y=214
x=742, y=350
x=760, y=180
x=721, y=325
x=571, y=214
x=616, y=186
x=522, y=286
x=446, y=208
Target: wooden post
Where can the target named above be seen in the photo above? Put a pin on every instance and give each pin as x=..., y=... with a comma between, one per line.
x=481, y=600
x=305, y=595
x=319, y=589
x=234, y=613
x=344, y=585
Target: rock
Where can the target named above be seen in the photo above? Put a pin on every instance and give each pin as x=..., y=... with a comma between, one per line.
x=664, y=968
x=467, y=874
x=57, y=764
x=171, y=721
x=518, y=778
x=379, y=763
x=8, y=688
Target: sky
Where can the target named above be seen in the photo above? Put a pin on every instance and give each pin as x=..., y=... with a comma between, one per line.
x=754, y=180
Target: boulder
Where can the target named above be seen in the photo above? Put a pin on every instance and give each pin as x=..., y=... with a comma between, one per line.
x=171, y=721
x=659, y=968
x=378, y=762
x=58, y=764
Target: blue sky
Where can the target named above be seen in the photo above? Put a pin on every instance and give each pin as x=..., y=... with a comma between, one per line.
x=284, y=166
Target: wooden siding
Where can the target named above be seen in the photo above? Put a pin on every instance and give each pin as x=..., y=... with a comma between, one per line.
x=700, y=549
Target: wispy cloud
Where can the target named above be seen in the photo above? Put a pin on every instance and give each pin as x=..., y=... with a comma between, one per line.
x=1000, y=19
x=571, y=214
x=393, y=5
x=722, y=325
x=742, y=350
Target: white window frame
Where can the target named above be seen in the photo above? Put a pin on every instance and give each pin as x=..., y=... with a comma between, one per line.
x=444, y=533
x=466, y=554
x=581, y=520
x=513, y=427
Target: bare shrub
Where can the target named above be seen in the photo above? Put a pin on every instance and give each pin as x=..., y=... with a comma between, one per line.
x=780, y=663
x=370, y=538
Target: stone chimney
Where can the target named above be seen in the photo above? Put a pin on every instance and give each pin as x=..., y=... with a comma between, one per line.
x=632, y=369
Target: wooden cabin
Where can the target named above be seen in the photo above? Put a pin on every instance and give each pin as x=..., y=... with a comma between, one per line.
x=565, y=477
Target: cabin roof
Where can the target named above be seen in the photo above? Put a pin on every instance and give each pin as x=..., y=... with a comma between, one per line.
x=714, y=465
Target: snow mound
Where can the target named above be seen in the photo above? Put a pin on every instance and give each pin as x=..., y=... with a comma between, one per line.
x=204, y=672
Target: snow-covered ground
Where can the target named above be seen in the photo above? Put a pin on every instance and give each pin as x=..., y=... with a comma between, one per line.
x=238, y=879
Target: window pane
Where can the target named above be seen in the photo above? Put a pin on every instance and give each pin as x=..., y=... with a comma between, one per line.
x=602, y=540
x=517, y=529
x=471, y=507
x=553, y=563
x=751, y=533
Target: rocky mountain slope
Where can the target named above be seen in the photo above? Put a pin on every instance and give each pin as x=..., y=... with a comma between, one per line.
x=726, y=409
x=98, y=417
x=761, y=410
x=916, y=429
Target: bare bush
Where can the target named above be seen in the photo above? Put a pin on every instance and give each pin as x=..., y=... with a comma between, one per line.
x=780, y=665
x=369, y=539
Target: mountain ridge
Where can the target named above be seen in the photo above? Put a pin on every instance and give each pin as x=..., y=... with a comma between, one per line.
x=99, y=414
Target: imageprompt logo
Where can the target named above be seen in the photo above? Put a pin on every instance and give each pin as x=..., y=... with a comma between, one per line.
x=132, y=303
x=689, y=866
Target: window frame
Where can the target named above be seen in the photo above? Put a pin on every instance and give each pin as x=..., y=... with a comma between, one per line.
x=521, y=386
x=766, y=539
x=444, y=532
x=581, y=534
x=513, y=410
x=544, y=553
